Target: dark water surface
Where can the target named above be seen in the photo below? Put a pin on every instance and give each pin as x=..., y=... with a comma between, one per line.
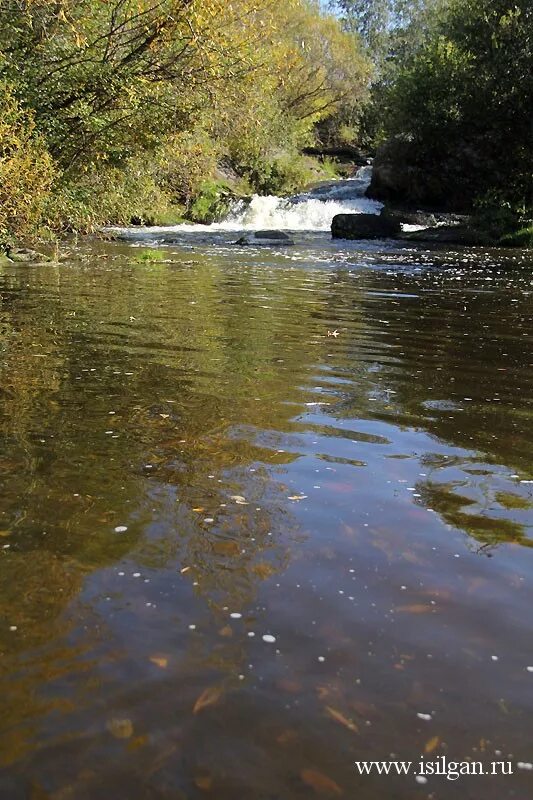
x=190, y=463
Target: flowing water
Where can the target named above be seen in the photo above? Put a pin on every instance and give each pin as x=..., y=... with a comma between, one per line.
x=265, y=513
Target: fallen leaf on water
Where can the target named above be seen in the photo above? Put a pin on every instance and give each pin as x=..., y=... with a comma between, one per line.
x=226, y=547
x=5, y=533
x=159, y=661
x=432, y=744
x=226, y=631
x=137, y=743
x=120, y=728
x=209, y=697
x=297, y=497
x=320, y=782
x=198, y=510
x=416, y=608
x=287, y=737
x=339, y=717
x=204, y=782
x=164, y=416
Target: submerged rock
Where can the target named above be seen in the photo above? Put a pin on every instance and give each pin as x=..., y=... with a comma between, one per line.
x=25, y=255
x=364, y=226
x=265, y=238
x=451, y=234
x=426, y=219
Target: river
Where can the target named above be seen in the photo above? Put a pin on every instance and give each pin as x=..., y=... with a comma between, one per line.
x=265, y=513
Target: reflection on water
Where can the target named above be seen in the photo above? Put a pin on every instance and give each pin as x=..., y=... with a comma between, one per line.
x=258, y=512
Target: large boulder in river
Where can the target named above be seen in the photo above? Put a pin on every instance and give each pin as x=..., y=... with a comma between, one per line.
x=424, y=219
x=272, y=238
x=363, y=226
x=451, y=235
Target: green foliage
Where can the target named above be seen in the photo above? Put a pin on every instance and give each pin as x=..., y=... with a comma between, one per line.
x=150, y=256
x=110, y=195
x=212, y=202
x=26, y=169
x=389, y=29
x=463, y=100
x=184, y=162
x=520, y=238
x=137, y=102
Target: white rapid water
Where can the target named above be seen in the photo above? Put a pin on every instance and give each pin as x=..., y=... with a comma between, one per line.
x=310, y=211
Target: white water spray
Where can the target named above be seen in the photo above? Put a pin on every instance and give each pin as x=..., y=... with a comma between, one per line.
x=310, y=211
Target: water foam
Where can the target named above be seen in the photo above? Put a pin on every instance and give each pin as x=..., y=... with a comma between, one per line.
x=309, y=211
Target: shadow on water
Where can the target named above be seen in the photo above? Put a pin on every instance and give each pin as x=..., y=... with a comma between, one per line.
x=247, y=499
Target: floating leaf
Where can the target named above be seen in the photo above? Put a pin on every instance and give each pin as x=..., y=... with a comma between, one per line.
x=287, y=737
x=159, y=661
x=416, y=608
x=320, y=782
x=226, y=631
x=204, y=782
x=432, y=744
x=226, y=547
x=339, y=717
x=209, y=697
x=137, y=743
x=120, y=728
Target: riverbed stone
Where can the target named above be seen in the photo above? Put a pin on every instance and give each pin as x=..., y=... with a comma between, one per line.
x=265, y=238
x=363, y=226
x=451, y=235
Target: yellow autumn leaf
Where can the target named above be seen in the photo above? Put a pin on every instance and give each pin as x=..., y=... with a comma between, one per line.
x=209, y=697
x=416, y=608
x=120, y=728
x=203, y=782
x=320, y=782
x=338, y=716
x=159, y=661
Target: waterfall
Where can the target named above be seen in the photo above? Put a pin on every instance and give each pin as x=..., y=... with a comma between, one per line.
x=312, y=210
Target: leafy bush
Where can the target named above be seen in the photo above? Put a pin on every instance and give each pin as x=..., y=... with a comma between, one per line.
x=137, y=101
x=520, y=238
x=108, y=196
x=464, y=100
x=26, y=169
x=212, y=203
